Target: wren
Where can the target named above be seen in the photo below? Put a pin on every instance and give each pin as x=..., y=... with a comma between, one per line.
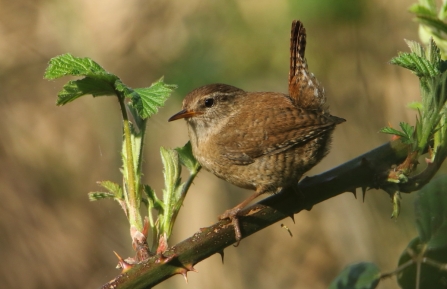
x=263, y=141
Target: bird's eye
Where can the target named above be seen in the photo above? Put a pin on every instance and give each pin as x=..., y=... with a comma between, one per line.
x=209, y=102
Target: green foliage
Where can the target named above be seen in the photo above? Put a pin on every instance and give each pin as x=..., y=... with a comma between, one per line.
x=406, y=135
x=431, y=213
x=98, y=82
x=147, y=100
x=137, y=105
x=113, y=191
x=422, y=268
x=423, y=264
x=357, y=276
x=427, y=64
x=432, y=22
x=187, y=158
x=173, y=187
x=174, y=192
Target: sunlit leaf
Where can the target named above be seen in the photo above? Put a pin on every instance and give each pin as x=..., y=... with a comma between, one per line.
x=431, y=213
x=358, y=276
x=147, y=100
x=187, y=158
x=96, y=81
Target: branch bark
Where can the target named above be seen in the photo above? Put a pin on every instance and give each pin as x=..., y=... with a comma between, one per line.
x=369, y=170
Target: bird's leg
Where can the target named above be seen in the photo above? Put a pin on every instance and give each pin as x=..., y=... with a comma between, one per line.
x=232, y=214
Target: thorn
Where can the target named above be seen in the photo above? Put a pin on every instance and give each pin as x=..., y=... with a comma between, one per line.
x=122, y=264
x=353, y=192
x=184, y=273
x=221, y=253
x=364, y=189
x=190, y=267
x=292, y=216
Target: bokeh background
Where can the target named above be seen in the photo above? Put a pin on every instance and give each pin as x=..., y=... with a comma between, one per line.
x=51, y=236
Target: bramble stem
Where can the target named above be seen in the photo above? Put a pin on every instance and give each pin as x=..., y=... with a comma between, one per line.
x=131, y=193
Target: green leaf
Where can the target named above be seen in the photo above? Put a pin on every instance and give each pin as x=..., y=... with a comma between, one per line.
x=147, y=100
x=77, y=88
x=172, y=168
x=419, y=65
x=433, y=53
x=431, y=213
x=152, y=197
x=114, y=191
x=97, y=81
x=187, y=158
x=416, y=105
x=67, y=64
x=95, y=196
x=416, y=48
x=432, y=22
x=403, y=136
x=407, y=129
x=390, y=130
x=172, y=192
x=422, y=10
x=430, y=277
x=443, y=11
x=358, y=276
x=113, y=188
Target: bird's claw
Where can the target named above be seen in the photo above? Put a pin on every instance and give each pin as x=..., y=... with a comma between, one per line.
x=232, y=214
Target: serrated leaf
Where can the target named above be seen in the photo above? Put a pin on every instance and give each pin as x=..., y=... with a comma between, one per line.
x=358, y=276
x=415, y=47
x=97, y=81
x=431, y=213
x=187, y=158
x=433, y=53
x=77, y=88
x=95, y=196
x=419, y=65
x=147, y=100
x=390, y=130
x=113, y=188
x=407, y=129
x=67, y=64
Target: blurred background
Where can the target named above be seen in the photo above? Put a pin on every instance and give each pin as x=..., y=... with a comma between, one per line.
x=51, y=236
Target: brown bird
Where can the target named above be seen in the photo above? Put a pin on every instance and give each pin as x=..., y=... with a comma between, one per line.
x=263, y=141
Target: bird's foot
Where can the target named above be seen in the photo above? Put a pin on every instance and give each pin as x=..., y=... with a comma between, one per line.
x=232, y=214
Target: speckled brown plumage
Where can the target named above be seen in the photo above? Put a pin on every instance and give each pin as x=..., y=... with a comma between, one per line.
x=262, y=141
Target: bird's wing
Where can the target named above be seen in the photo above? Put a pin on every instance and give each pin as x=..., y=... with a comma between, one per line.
x=272, y=130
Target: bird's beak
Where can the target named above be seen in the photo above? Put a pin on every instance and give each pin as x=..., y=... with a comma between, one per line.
x=182, y=114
